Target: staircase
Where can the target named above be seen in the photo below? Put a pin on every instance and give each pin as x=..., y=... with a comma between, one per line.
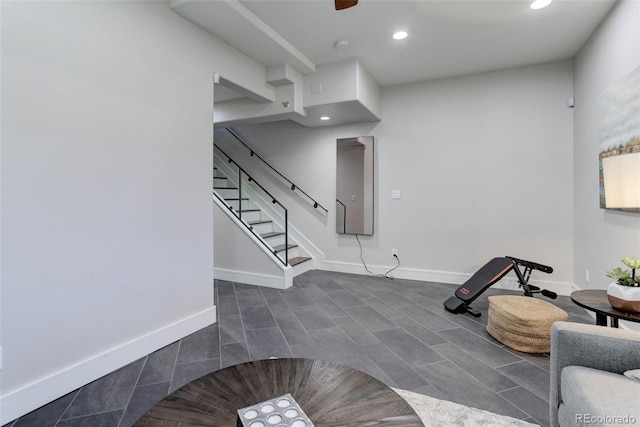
x=259, y=212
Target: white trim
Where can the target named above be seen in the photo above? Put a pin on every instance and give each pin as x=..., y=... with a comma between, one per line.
x=47, y=389
x=295, y=57
x=278, y=282
x=561, y=288
x=401, y=272
x=306, y=244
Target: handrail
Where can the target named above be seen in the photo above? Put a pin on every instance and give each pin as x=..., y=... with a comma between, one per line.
x=285, y=261
x=344, y=217
x=293, y=186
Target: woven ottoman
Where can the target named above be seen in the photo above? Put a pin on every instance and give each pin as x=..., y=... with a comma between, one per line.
x=523, y=323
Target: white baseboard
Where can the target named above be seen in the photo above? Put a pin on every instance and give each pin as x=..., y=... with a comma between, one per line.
x=278, y=282
x=454, y=278
x=400, y=273
x=26, y=399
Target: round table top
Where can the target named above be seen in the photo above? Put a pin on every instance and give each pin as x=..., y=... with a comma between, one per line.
x=328, y=393
x=596, y=300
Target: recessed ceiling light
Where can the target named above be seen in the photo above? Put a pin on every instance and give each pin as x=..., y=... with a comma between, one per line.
x=325, y=118
x=399, y=35
x=539, y=4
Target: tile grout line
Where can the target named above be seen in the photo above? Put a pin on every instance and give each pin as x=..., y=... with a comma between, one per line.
x=133, y=389
x=65, y=409
x=371, y=332
x=244, y=332
x=297, y=320
x=175, y=363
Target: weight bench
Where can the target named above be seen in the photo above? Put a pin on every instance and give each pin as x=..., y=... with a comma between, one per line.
x=490, y=274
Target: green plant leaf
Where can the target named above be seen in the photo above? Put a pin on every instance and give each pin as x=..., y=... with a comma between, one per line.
x=633, y=263
x=622, y=277
x=618, y=273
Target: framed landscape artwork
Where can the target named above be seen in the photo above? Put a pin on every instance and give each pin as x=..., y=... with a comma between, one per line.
x=619, y=136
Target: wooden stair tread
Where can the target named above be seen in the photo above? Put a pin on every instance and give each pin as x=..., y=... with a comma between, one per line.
x=280, y=248
x=271, y=234
x=262, y=221
x=297, y=260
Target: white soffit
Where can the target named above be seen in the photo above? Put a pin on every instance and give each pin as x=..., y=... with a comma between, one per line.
x=237, y=26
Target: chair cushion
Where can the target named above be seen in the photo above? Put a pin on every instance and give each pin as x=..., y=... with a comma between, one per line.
x=597, y=398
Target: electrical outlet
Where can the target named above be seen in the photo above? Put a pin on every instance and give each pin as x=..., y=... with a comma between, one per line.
x=394, y=252
x=586, y=275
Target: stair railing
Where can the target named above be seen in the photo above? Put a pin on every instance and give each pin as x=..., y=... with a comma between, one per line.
x=244, y=179
x=294, y=187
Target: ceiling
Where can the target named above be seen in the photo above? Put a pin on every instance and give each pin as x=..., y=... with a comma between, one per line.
x=446, y=37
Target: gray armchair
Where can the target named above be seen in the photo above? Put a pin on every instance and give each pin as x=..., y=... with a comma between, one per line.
x=587, y=387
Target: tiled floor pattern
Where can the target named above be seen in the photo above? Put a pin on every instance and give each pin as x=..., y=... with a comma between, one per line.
x=395, y=330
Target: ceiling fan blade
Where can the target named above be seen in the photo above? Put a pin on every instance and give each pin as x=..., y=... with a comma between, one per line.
x=344, y=4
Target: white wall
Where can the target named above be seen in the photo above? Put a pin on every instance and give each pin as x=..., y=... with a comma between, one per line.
x=107, y=229
x=484, y=164
x=602, y=237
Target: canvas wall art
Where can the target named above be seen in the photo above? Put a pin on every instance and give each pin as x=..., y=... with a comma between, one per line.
x=619, y=136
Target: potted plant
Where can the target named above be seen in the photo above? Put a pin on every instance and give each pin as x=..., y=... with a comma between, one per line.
x=624, y=293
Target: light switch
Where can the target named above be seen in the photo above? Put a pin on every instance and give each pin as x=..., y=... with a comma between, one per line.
x=395, y=194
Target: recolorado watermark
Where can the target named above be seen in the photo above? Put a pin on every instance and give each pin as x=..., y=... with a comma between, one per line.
x=605, y=419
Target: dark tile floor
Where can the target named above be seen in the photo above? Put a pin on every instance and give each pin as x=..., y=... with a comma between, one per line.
x=395, y=330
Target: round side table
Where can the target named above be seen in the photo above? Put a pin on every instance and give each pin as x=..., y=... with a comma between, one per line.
x=596, y=300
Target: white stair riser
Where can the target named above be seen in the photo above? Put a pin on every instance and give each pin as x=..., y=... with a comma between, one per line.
x=302, y=267
x=293, y=252
x=246, y=204
x=250, y=216
x=227, y=193
x=275, y=241
x=265, y=228
x=221, y=181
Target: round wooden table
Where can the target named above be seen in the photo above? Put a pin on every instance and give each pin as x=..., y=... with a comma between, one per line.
x=596, y=300
x=329, y=394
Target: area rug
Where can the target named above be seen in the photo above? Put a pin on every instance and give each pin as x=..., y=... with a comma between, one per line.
x=435, y=413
